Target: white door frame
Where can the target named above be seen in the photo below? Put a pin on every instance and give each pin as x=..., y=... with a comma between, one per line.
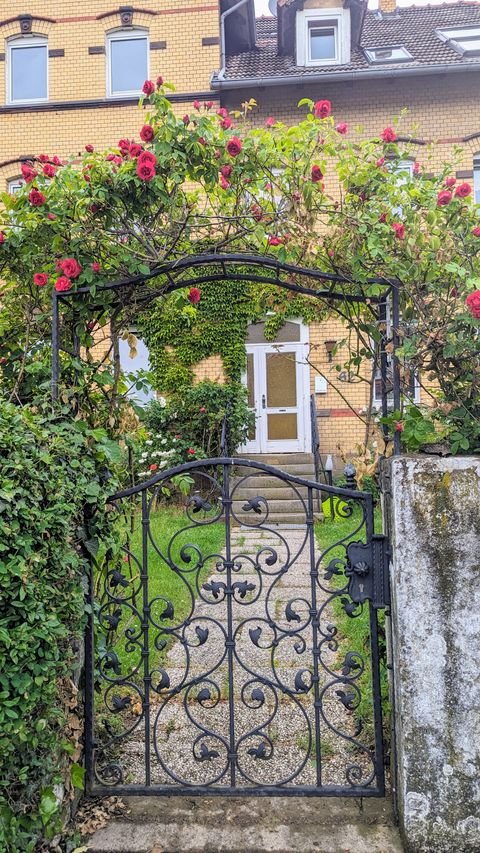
x=261, y=444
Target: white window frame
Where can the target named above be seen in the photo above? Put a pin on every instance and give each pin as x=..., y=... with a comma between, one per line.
x=404, y=54
x=15, y=185
x=125, y=35
x=25, y=41
x=459, y=38
x=340, y=18
x=476, y=177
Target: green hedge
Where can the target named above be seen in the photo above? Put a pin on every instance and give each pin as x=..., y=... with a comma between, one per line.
x=50, y=470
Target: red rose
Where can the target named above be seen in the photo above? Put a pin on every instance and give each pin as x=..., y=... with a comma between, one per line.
x=476, y=231
x=382, y=217
x=322, y=109
x=399, y=229
x=186, y=120
x=93, y=208
x=275, y=241
x=28, y=173
x=36, y=198
x=51, y=216
x=202, y=409
x=178, y=435
x=63, y=283
x=70, y=267
x=90, y=325
x=416, y=168
x=226, y=171
x=44, y=158
x=196, y=105
x=148, y=88
x=145, y=170
x=95, y=266
x=463, y=190
x=342, y=128
x=270, y=121
x=194, y=295
x=124, y=145
x=473, y=303
x=191, y=451
x=86, y=178
x=257, y=213
x=388, y=134
x=159, y=81
x=201, y=140
x=222, y=112
x=147, y=133
x=380, y=162
x=2, y=237
x=40, y=279
x=208, y=105
x=399, y=426
x=135, y=149
x=153, y=467
x=234, y=146
x=450, y=182
x=89, y=148
x=224, y=183
x=56, y=161
x=226, y=123
x=49, y=170
x=443, y=197
x=317, y=174
x=147, y=157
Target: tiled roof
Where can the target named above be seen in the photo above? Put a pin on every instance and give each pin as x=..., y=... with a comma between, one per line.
x=413, y=27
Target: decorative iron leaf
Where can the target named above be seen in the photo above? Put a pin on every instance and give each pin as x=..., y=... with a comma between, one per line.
x=348, y=606
x=206, y=754
x=117, y=579
x=255, y=634
x=272, y=559
x=299, y=646
x=164, y=682
x=113, y=619
x=259, y=751
x=199, y=503
x=350, y=664
x=258, y=695
x=215, y=587
x=243, y=587
x=202, y=634
x=300, y=685
x=255, y=504
x=185, y=556
x=160, y=644
x=291, y=614
x=335, y=567
x=204, y=695
x=119, y=703
x=347, y=697
x=169, y=612
x=111, y=661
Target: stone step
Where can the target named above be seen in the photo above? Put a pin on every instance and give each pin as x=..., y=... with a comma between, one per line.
x=280, y=459
x=281, y=492
x=250, y=825
x=265, y=482
x=276, y=505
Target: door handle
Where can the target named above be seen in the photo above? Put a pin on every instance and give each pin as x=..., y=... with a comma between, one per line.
x=263, y=401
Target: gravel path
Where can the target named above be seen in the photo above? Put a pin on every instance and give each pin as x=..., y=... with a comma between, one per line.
x=265, y=707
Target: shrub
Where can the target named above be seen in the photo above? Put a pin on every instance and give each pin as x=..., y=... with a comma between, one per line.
x=52, y=469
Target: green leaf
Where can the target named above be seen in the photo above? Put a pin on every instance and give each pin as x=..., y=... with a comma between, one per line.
x=77, y=776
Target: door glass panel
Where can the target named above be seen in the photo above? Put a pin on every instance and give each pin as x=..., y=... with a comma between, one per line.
x=289, y=332
x=251, y=392
x=282, y=426
x=281, y=379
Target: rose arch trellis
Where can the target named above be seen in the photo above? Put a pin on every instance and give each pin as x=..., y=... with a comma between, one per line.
x=127, y=296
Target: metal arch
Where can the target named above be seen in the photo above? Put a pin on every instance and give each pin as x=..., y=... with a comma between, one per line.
x=235, y=754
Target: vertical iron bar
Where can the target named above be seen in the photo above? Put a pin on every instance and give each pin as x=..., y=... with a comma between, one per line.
x=396, y=364
x=89, y=684
x=376, y=686
x=384, y=363
x=55, y=346
x=315, y=625
x=145, y=628
x=229, y=641
x=332, y=504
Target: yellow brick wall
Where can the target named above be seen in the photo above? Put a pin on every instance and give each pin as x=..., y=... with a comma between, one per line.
x=79, y=76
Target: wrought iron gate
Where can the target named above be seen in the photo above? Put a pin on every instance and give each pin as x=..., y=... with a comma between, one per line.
x=225, y=671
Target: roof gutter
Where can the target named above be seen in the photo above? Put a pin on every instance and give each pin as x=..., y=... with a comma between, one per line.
x=219, y=82
x=221, y=74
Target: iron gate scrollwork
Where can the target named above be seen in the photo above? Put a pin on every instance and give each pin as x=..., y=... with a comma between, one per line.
x=224, y=671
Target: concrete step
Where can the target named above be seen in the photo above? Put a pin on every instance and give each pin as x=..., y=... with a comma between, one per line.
x=280, y=492
x=265, y=483
x=250, y=825
x=274, y=506
x=280, y=459
x=306, y=471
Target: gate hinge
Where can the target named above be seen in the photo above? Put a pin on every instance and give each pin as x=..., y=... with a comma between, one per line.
x=368, y=571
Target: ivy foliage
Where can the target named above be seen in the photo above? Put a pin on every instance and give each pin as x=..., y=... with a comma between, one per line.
x=53, y=486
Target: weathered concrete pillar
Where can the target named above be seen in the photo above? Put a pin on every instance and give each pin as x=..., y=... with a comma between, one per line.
x=434, y=518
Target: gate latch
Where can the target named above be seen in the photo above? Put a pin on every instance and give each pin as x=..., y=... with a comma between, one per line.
x=367, y=570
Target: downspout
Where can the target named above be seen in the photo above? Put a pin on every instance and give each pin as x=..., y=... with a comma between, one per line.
x=221, y=73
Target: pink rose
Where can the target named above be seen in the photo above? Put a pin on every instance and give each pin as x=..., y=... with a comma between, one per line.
x=95, y=266
x=342, y=127
x=463, y=190
x=476, y=231
x=450, y=182
x=275, y=241
x=40, y=279
x=473, y=303
x=208, y=105
x=196, y=105
x=399, y=229
x=51, y=216
x=388, y=134
x=380, y=162
x=224, y=183
x=62, y=284
x=270, y=121
x=70, y=267
x=322, y=109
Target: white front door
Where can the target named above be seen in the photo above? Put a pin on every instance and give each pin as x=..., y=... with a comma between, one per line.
x=277, y=382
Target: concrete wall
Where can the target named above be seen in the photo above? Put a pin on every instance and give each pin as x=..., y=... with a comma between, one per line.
x=434, y=518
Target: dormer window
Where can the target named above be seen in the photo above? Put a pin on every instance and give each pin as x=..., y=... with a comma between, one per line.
x=465, y=40
x=323, y=37
x=382, y=55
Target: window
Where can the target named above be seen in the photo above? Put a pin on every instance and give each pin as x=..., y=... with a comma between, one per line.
x=323, y=37
x=476, y=177
x=465, y=40
x=15, y=185
x=380, y=55
x=27, y=77
x=127, y=62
